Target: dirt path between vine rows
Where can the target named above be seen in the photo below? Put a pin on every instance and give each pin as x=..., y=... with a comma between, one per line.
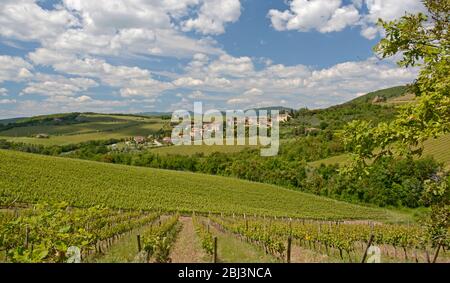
x=187, y=247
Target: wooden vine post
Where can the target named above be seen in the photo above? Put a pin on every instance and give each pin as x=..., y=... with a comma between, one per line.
x=215, y=250
x=27, y=236
x=139, y=243
x=288, y=253
x=367, y=248
x=437, y=253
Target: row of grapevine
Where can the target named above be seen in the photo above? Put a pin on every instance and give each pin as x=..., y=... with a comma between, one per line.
x=255, y=232
x=45, y=232
x=206, y=237
x=349, y=240
x=158, y=240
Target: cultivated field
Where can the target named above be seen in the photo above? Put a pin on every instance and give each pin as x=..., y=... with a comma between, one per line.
x=34, y=178
x=438, y=148
x=91, y=127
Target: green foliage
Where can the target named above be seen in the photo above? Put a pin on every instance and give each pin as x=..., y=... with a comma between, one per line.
x=346, y=238
x=205, y=235
x=56, y=119
x=46, y=232
x=260, y=233
x=27, y=177
x=336, y=117
x=387, y=181
x=157, y=241
x=438, y=195
x=77, y=128
x=423, y=41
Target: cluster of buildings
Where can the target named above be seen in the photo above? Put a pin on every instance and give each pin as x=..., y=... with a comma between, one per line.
x=214, y=127
x=141, y=140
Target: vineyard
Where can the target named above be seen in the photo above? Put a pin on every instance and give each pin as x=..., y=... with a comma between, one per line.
x=65, y=210
x=29, y=178
x=60, y=233
x=343, y=241
x=45, y=233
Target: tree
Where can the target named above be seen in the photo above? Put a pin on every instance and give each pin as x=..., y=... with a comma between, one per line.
x=422, y=41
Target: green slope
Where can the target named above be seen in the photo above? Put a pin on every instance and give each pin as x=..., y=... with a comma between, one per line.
x=90, y=127
x=388, y=93
x=438, y=148
x=35, y=178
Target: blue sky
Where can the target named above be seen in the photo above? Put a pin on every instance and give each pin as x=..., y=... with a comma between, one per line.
x=148, y=55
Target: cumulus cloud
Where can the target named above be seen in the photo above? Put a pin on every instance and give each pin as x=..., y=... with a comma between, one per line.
x=333, y=15
x=104, y=27
x=232, y=66
x=322, y=15
x=295, y=86
x=50, y=85
x=25, y=20
x=14, y=69
x=253, y=92
x=136, y=26
x=132, y=81
x=213, y=16
x=88, y=43
x=7, y=101
x=386, y=10
x=3, y=91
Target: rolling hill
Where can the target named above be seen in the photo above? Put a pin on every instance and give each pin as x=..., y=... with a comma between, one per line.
x=438, y=148
x=81, y=128
x=35, y=178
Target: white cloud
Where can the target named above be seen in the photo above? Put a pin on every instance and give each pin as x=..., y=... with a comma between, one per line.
x=134, y=26
x=213, y=16
x=48, y=57
x=49, y=85
x=386, y=10
x=239, y=101
x=390, y=10
x=296, y=86
x=370, y=32
x=197, y=95
x=232, y=66
x=25, y=20
x=333, y=15
x=305, y=15
x=341, y=18
x=7, y=101
x=80, y=40
x=104, y=27
x=83, y=98
x=132, y=81
x=188, y=82
x=3, y=92
x=253, y=92
x=14, y=69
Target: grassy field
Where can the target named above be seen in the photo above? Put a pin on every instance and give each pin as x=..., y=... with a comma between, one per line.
x=339, y=159
x=405, y=99
x=35, y=178
x=93, y=127
x=438, y=148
